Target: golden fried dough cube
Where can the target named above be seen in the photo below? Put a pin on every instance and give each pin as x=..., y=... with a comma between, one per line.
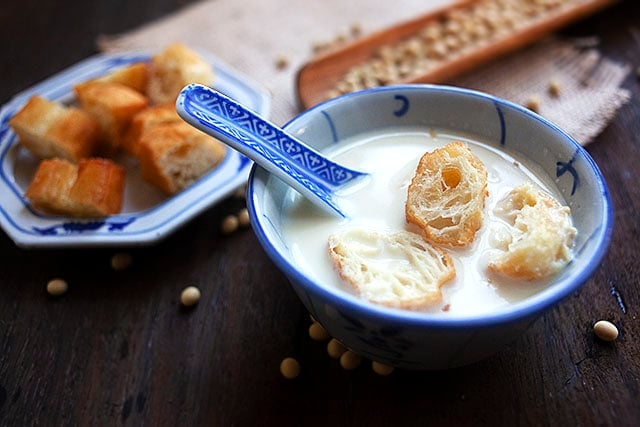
x=173, y=156
x=113, y=105
x=49, y=188
x=146, y=120
x=98, y=189
x=49, y=129
x=174, y=68
x=133, y=76
x=92, y=188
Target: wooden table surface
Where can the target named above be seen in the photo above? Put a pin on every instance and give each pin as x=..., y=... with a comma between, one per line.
x=117, y=349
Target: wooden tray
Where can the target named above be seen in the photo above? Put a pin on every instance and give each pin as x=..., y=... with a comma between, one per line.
x=319, y=76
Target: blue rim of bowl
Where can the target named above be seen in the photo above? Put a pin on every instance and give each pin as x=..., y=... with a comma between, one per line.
x=353, y=304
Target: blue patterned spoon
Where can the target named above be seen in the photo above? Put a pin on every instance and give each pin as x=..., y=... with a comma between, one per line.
x=294, y=162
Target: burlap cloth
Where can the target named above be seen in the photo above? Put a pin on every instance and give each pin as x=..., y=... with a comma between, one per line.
x=270, y=40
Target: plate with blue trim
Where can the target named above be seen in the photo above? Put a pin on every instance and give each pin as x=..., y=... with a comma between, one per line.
x=147, y=215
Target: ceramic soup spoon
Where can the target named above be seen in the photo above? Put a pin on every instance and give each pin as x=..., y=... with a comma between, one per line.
x=298, y=165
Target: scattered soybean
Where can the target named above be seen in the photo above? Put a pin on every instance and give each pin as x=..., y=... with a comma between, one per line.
x=230, y=224
x=121, y=261
x=57, y=287
x=243, y=218
x=381, y=368
x=555, y=88
x=605, y=330
x=190, y=296
x=317, y=332
x=533, y=104
x=335, y=349
x=350, y=360
x=290, y=368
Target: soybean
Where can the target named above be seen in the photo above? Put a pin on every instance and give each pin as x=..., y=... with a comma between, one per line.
x=243, y=218
x=282, y=62
x=290, y=368
x=230, y=224
x=533, y=104
x=190, y=296
x=555, y=88
x=57, y=287
x=350, y=360
x=317, y=332
x=335, y=349
x=605, y=330
x=381, y=368
x=121, y=261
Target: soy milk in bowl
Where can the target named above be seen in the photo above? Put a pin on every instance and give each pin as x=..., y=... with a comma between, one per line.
x=378, y=205
x=385, y=131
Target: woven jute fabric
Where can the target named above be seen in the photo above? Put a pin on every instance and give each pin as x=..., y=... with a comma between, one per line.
x=573, y=85
x=270, y=40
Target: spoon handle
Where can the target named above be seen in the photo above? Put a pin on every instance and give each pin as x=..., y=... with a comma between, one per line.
x=289, y=159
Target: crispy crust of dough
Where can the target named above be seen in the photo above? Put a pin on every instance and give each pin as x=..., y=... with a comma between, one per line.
x=98, y=189
x=174, y=68
x=541, y=233
x=172, y=156
x=446, y=195
x=93, y=188
x=146, y=120
x=49, y=188
x=113, y=105
x=49, y=129
x=393, y=269
x=134, y=76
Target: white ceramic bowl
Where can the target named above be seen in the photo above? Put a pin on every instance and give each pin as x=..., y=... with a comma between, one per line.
x=413, y=339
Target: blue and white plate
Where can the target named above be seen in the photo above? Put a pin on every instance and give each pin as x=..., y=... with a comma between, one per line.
x=148, y=215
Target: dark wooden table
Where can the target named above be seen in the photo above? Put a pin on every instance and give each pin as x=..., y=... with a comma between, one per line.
x=118, y=349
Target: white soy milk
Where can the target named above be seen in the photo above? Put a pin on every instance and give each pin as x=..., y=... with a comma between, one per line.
x=379, y=202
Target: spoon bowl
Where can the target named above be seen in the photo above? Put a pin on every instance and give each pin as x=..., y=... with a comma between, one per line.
x=298, y=165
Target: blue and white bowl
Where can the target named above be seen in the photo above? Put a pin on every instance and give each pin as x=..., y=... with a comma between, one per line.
x=418, y=340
